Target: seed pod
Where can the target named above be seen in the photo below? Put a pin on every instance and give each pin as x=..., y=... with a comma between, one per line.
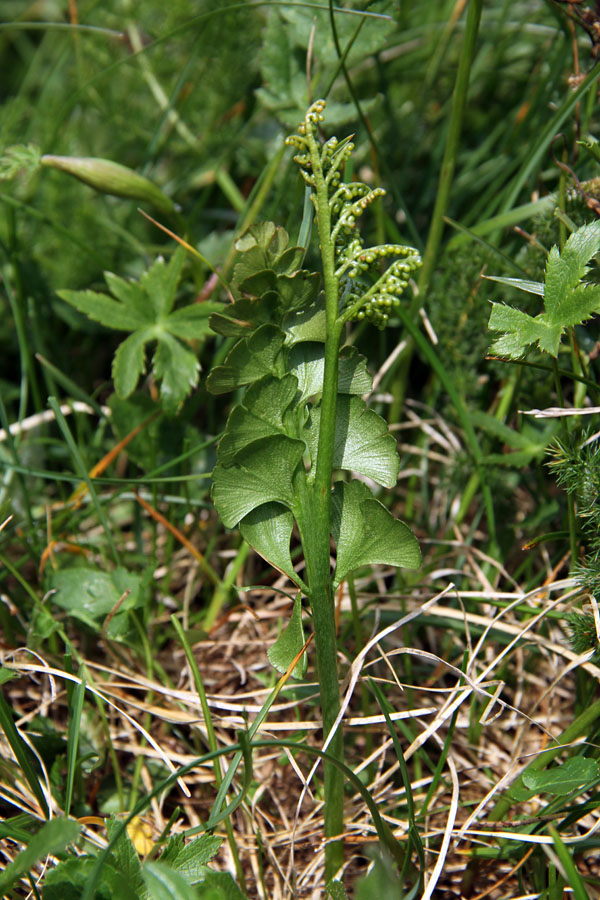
x=111, y=178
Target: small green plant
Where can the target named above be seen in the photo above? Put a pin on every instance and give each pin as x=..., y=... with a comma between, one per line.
x=145, y=308
x=302, y=420
x=568, y=301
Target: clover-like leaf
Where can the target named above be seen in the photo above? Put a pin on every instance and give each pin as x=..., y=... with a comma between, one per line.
x=289, y=644
x=362, y=442
x=366, y=533
x=262, y=472
x=567, y=301
x=268, y=529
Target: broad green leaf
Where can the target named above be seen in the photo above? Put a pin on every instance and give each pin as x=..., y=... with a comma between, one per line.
x=125, y=857
x=102, y=308
x=367, y=534
x=573, y=774
x=268, y=530
x=164, y=883
x=248, y=361
x=159, y=283
x=68, y=879
x=259, y=283
x=89, y=595
x=289, y=644
x=190, y=322
x=177, y=369
x=52, y=837
x=362, y=442
x=261, y=414
x=298, y=291
x=261, y=473
x=190, y=859
x=306, y=361
x=129, y=362
x=261, y=249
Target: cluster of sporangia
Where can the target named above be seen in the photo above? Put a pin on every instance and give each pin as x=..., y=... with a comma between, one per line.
x=356, y=266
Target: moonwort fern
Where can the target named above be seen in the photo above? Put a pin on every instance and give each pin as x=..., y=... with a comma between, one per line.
x=302, y=422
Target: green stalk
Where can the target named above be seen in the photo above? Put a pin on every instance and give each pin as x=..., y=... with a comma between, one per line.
x=316, y=539
x=459, y=100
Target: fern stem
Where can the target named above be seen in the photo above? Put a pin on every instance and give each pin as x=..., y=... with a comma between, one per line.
x=317, y=547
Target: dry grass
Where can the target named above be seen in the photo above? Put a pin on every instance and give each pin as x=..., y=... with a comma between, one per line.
x=493, y=662
x=513, y=722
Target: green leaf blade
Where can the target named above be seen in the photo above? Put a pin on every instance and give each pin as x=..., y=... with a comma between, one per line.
x=289, y=644
x=262, y=473
x=367, y=534
x=129, y=363
x=177, y=369
x=268, y=529
x=362, y=442
x=102, y=308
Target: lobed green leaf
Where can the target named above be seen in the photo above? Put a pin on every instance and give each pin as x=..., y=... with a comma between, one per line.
x=260, y=414
x=129, y=362
x=367, y=534
x=362, y=442
x=249, y=360
x=263, y=472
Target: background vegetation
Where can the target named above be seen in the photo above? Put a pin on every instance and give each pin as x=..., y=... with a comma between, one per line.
x=135, y=628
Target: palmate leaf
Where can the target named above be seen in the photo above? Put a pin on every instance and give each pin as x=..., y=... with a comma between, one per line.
x=145, y=308
x=567, y=301
x=102, y=308
x=366, y=533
